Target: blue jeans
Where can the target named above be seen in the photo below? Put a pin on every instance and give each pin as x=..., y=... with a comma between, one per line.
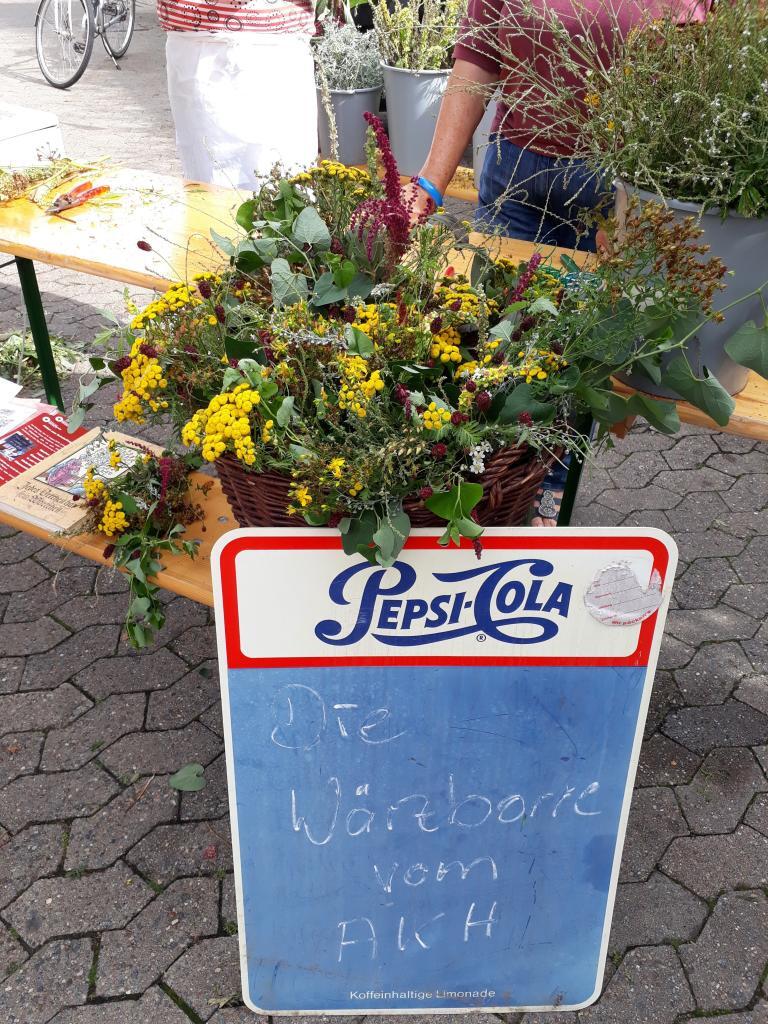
x=546, y=196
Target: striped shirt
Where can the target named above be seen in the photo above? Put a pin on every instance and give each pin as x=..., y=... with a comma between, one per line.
x=295, y=16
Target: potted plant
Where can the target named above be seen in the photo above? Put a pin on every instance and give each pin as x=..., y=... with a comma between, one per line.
x=675, y=110
x=349, y=83
x=416, y=40
x=340, y=372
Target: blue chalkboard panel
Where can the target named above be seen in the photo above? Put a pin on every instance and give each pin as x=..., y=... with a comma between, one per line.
x=427, y=836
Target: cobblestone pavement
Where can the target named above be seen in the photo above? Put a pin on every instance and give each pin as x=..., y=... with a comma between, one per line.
x=116, y=892
x=116, y=896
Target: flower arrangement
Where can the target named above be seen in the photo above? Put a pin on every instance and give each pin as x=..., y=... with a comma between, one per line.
x=142, y=514
x=418, y=35
x=675, y=106
x=342, y=355
x=346, y=58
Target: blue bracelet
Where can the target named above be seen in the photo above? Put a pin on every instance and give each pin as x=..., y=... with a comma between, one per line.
x=432, y=191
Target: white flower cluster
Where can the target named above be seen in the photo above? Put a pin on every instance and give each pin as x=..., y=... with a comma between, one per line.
x=478, y=453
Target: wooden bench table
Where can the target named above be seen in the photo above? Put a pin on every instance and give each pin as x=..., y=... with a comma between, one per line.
x=176, y=219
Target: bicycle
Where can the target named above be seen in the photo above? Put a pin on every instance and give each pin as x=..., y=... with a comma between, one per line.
x=65, y=30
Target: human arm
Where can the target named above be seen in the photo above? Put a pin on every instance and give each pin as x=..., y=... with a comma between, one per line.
x=462, y=108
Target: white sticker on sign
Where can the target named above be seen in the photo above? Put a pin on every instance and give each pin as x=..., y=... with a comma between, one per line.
x=617, y=598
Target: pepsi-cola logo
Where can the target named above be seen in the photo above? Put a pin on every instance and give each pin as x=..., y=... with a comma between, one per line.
x=515, y=602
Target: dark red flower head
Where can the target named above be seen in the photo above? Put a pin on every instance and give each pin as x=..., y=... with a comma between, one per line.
x=144, y=246
x=148, y=350
x=425, y=492
x=221, y=316
x=439, y=450
x=204, y=287
x=483, y=401
x=525, y=419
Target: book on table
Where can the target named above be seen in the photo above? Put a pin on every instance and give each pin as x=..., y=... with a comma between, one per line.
x=49, y=493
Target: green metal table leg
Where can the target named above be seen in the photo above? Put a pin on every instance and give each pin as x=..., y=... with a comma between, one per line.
x=39, y=329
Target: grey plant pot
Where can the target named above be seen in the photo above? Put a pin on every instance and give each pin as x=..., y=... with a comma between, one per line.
x=348, y=106
x=413, y=103
x=741, y=243
x=481, y=138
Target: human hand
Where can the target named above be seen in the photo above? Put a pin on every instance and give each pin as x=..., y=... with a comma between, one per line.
x=419, y=204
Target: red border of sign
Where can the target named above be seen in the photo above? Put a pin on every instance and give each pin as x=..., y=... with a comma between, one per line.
x=275, y=542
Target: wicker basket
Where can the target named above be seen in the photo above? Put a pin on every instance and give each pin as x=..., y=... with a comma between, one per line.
x=510, y=481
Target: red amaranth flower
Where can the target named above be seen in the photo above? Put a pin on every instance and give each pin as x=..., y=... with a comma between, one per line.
x=144, y=246
x=478, y=546
x=483, y=401
x=439, y=450
x=221, y=316
x=204, y=287
x=524, y=281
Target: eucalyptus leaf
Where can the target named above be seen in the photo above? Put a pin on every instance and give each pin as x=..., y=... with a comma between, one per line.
x=543, y=305
x=358, y=341
x=287, y=288
x=285, y=411
x=749, y=347
x=129, y=504
x=76, y=419
x=662, y=416
x=706, y=393
x=244, y=215
x=225, y=244
x=189, y=779
x=326, y=291
x=521, y=400
x=309, y=228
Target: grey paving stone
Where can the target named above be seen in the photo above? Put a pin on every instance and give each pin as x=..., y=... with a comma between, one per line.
x=695, y=513
x=654, y=820
x=196, y=645
x=189, y=848
x=713, y=864
x=756, y=650
x=692, y=452
x=32, y=854
x=19, y=755
x=242, y=1015
x=731, y=724
x=758, y=1015
x=134, y=958
x=154, y=1007
x=211, y=802
x=749, y=492
x=753, y=690
x=55, y=797
x=21, y=638
x=12, y=954
x=704, y=582
x=209, y=971
x=637, y=470
x=673, y=654
x=212, y=719
x=747, y=524
x=110, y=581
x=51, y=596
x=595, y=514
x=94, y=609
x=106, y=721
x=648, y=988
x=228, y=900
x=185, y=700
x=762, y=757
x=24, y=578
x=733, y=443
x=163, y=751
x=45, y=671
x=704, y=625
x=594, y=480
x=56, y=976
x=132, y=672
x=18, y=547
x=180, y=615
x=739, y=465
x=99, y=840
x=56, y=907
x=53, y=708
x=665, y=696
x=726, y=962
x=11, y=670
x=665, y=763
x=653, y=912
x=721, y=790
x=650, y=497
x=713, y=673
x=751, y=598
x=691, y=481
x=757, y=815
x=712, y=543
x=753, y=564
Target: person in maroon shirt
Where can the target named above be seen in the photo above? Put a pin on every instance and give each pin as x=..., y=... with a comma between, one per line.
x=530, y=187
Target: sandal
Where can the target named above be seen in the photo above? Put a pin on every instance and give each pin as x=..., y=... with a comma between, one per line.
x=546, y=506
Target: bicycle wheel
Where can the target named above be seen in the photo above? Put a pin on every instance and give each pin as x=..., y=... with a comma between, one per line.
x=117, y=20
x=64, y=33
